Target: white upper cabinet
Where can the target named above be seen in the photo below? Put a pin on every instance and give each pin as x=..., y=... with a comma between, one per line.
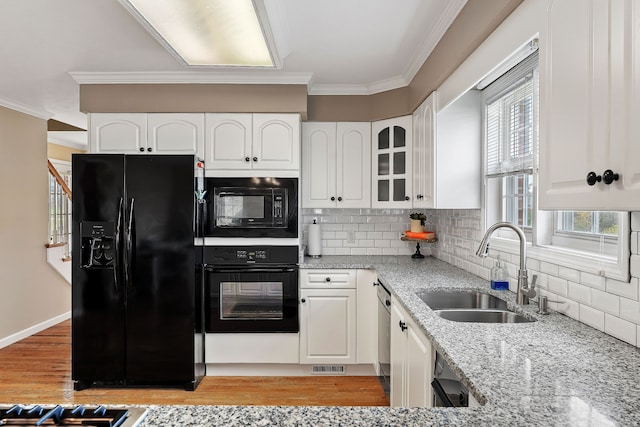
x=118, y=133
x=589, y=105
x=276, y=141
x=175, y=133
x=228, y=139
x=424, y=164
x=252, y=142
x=141, y=133
x=336, y=169
x=391, y=159
x=447, y=149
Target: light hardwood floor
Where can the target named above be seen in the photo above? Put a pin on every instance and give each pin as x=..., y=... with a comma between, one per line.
x=38, y=370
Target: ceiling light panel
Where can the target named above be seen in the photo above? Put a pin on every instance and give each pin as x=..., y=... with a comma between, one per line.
x=206, y=32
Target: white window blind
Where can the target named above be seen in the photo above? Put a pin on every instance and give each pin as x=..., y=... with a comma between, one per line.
x=511, y=120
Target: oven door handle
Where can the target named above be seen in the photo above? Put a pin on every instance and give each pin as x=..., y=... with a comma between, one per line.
x=250, y=270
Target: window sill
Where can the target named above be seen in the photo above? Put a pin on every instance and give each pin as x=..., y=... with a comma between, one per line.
x=589, y=263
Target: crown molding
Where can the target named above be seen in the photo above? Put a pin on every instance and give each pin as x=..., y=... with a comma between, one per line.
x=371, y=89
x=26, y=109
x=450, y=13
x=185, y=77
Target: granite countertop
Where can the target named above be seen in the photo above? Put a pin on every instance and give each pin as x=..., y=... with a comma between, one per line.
x=552, y=372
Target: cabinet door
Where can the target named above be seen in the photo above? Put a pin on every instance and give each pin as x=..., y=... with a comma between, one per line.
x=176, y=133
x=328, y=326
x=353, y=180
x=118, y=133
x=228, y=141
x=319, y=165
x=398, y=355
x=276, y=141
x=625, y=105
x=419, y=370
x=424, y=167
x=392, y=163
x=574, y=103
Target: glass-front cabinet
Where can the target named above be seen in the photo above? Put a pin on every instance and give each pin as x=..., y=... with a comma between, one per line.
x=391, y=172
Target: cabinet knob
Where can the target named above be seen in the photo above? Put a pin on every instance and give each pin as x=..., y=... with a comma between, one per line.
x=333, y=199
x=609, y=176
x=247, y=159
x=303, y=300
x=255, y=159
x=327, y=279
x=387, y=303
x=141, y=149
x=339, y=199
x=419, y=196
x=592, y=178
x=149, y=149
x=406, y=198
x=403, y=326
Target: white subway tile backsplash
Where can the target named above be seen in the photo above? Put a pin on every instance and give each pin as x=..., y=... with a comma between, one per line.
x=548, y=268
x=568, y=307
x=634, y=267
x=623, y=289
x=592, y=280
x=630, y=310
x=579, y=293
x=374, y=251
x=557, y=286
x=606, y=302
x=619, y=328
x=592, y=317
x=568, y=273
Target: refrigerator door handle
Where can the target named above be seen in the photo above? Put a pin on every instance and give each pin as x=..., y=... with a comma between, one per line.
x=129, y=248
x=117, y=259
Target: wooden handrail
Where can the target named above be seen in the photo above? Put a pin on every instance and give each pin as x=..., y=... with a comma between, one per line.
x=53, y=171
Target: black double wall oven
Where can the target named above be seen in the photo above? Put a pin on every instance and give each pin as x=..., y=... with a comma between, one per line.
x=250, y=271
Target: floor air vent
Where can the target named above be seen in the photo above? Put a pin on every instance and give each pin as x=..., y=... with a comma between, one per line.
x=328, y=370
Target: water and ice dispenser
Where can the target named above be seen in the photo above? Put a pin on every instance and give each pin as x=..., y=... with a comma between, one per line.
x=98, y=244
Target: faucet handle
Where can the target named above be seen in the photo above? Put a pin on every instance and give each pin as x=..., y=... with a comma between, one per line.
x=529, y=291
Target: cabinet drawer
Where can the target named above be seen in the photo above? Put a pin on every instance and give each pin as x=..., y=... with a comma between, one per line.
x=322, y=279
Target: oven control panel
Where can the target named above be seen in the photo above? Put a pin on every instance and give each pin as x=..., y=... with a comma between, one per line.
x=239, y=255
x=252, y=255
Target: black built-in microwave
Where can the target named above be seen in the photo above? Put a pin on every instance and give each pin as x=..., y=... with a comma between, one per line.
x=252, y=207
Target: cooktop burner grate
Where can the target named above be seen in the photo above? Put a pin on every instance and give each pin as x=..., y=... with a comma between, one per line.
x=98, y=416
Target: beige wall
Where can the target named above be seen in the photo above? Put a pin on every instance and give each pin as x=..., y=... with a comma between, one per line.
x=31, y=291
x=61, y=152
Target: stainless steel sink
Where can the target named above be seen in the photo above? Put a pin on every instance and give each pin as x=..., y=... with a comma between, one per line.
x=439, y=300
x=483, y=316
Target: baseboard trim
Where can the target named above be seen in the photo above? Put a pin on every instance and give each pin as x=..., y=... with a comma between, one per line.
x=276, y=369
x=25, y=333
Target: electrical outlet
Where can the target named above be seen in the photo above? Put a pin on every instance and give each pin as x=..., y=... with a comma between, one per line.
x=351, y=236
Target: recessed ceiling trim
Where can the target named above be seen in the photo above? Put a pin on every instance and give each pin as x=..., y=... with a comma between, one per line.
x=431, y=41
x=26, y=109
x=173, y=77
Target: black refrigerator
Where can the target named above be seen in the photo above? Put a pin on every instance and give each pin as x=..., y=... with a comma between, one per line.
x=136, y=303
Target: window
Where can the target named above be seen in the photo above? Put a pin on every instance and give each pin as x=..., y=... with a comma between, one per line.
x=60, y=207
x=589, y=241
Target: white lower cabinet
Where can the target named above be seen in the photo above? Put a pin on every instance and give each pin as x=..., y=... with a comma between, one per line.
x=412, y=358
x=328, y=317
x=338, y=317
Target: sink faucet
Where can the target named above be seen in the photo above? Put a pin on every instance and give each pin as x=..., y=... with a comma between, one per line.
x=523, y=292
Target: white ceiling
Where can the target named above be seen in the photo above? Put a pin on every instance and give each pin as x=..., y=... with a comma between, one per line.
x=333, y=46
